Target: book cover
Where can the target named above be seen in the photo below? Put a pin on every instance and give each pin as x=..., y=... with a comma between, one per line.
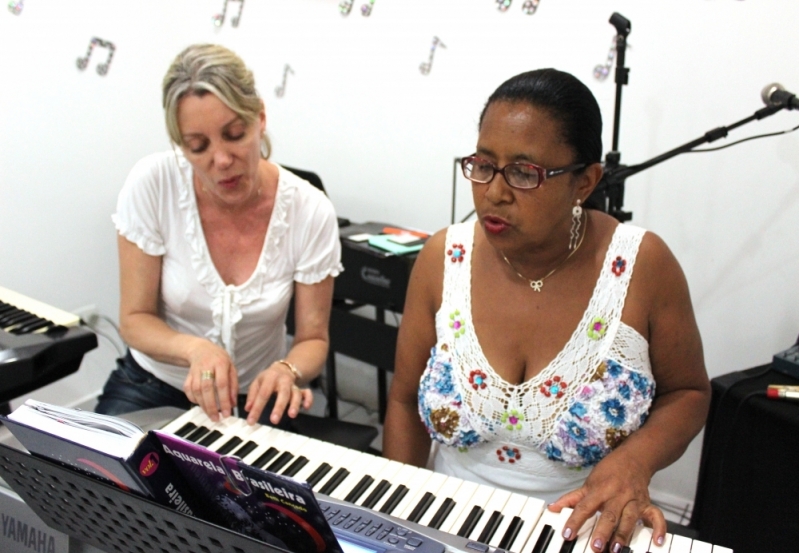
x=263, y=505
x=94, y=444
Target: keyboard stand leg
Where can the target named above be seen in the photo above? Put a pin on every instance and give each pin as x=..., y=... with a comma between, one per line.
x=330, y=376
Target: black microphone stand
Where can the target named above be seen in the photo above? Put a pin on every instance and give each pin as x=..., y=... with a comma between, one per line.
x=608, y=196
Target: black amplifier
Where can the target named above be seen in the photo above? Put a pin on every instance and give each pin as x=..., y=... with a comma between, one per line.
x=371, y=275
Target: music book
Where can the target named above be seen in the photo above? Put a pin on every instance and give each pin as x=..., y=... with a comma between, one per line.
x=105, y=447
x=263, y=505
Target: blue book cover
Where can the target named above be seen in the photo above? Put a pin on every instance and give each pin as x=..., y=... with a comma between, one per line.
x=263, y=505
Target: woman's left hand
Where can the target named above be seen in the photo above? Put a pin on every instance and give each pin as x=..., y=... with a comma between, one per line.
x=279, y=380
x=618, y=488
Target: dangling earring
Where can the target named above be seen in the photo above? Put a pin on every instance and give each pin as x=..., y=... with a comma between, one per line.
x=577, y=220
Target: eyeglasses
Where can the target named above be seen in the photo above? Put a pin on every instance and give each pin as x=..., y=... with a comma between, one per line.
x=518, y=175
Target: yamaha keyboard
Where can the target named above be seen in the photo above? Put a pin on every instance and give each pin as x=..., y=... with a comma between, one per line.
x=38, y=344
x=367, y=496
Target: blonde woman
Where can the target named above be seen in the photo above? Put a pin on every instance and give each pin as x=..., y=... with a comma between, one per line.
x=214, y=241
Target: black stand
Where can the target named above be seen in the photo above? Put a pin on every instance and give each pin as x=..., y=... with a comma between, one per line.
x=109, y=518
x=608, y=196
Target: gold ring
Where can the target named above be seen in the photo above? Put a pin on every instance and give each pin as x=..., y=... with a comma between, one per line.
x=207, y=375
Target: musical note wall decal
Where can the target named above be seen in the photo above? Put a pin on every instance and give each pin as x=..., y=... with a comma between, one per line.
x=281, y=90
x=366, y=9
x=16, y=7
x=345, y=7
x=503, y=5
x=219, y=18
x=530, y=6
x=102, y=68
x=425, y=67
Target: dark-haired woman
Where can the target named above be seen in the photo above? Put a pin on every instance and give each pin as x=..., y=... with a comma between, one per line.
x=547, y=349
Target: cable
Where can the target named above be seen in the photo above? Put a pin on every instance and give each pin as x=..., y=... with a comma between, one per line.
x=742, y=140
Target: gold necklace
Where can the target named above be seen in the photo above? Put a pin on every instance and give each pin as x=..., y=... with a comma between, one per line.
x=538, y=284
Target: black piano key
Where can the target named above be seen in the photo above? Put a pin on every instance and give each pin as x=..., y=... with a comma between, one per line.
x=229, y=445
x=359, y=489
x=379, y=491
x=624, y=549
x=198, y=433
x=394, y=499
x=33, y=327
x=334, y=481
x=11, y=318
x=318, y=474
x=421, y=508
x=25, y=321
x=471, y=521
x=282, y=460
x=491, y=526
x=246, y=449
x=6, y=307
x=542, y=543
x=510, y=534
x=442, y=513
x=295, y=467
x=210, y=438
x=186, y=429
x=568, y=547
x=265, y=457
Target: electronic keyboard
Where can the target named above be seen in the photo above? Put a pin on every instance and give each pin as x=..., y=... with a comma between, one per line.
x=373, y=500
x=38, y=344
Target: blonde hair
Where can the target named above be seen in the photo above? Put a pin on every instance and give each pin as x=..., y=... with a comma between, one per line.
x=204, y=68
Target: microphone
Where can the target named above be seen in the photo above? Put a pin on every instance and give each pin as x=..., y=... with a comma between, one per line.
x=775, y=95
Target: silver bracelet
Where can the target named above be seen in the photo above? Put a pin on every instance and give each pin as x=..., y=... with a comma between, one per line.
x=294, y=370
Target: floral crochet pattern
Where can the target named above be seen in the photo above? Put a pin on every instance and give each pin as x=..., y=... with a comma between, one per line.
x=456, y=253
x=512, y=419
x=456, y=323
x=477, y=379
x=597, y=328
x=508, y=454
x=553, y=387
x=618, y=266
x=445, y=421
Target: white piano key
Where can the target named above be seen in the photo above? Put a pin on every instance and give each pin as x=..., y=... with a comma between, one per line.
x=415, y=486
x=262, y=436
x=583, y=540
x=432, y=485
x=387, y=473
x=701, y=547
x=479, y=498
x=195, y=416
x=530, y=515
x=496, y=502
x=316, y=451
x=642, y=537
x=556, y=521
x=680, y=544
x=664, y=547
x=447, y=491
x=512, y=508
x=462, y=499
x=720, y=549
x=344, y=461
x=403, y=478
x=228, y=427
x=364, y=464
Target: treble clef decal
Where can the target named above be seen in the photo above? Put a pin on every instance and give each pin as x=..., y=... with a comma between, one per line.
x=530, y=6
x=16, y=7
x=425, y=67
x=281, y=90
x=102, y=68
x=219, y=18
x=345, y=7
x=366, y=9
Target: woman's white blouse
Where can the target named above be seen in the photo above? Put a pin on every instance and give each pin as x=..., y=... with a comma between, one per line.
x=157, y=210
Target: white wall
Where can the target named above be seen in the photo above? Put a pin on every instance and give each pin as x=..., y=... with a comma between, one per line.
x=383, y=136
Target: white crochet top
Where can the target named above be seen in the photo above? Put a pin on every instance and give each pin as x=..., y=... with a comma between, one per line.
x=540, y=436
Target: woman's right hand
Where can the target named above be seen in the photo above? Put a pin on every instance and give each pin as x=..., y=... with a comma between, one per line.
x=212, y=382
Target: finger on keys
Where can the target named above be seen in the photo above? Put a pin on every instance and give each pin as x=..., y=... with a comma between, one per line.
x=608, y=520
x=208, y=398
x=624, y=530
x=285, y=394
x=222, y=389
x=655, y=520
x=259, y=393
x=295, y=401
